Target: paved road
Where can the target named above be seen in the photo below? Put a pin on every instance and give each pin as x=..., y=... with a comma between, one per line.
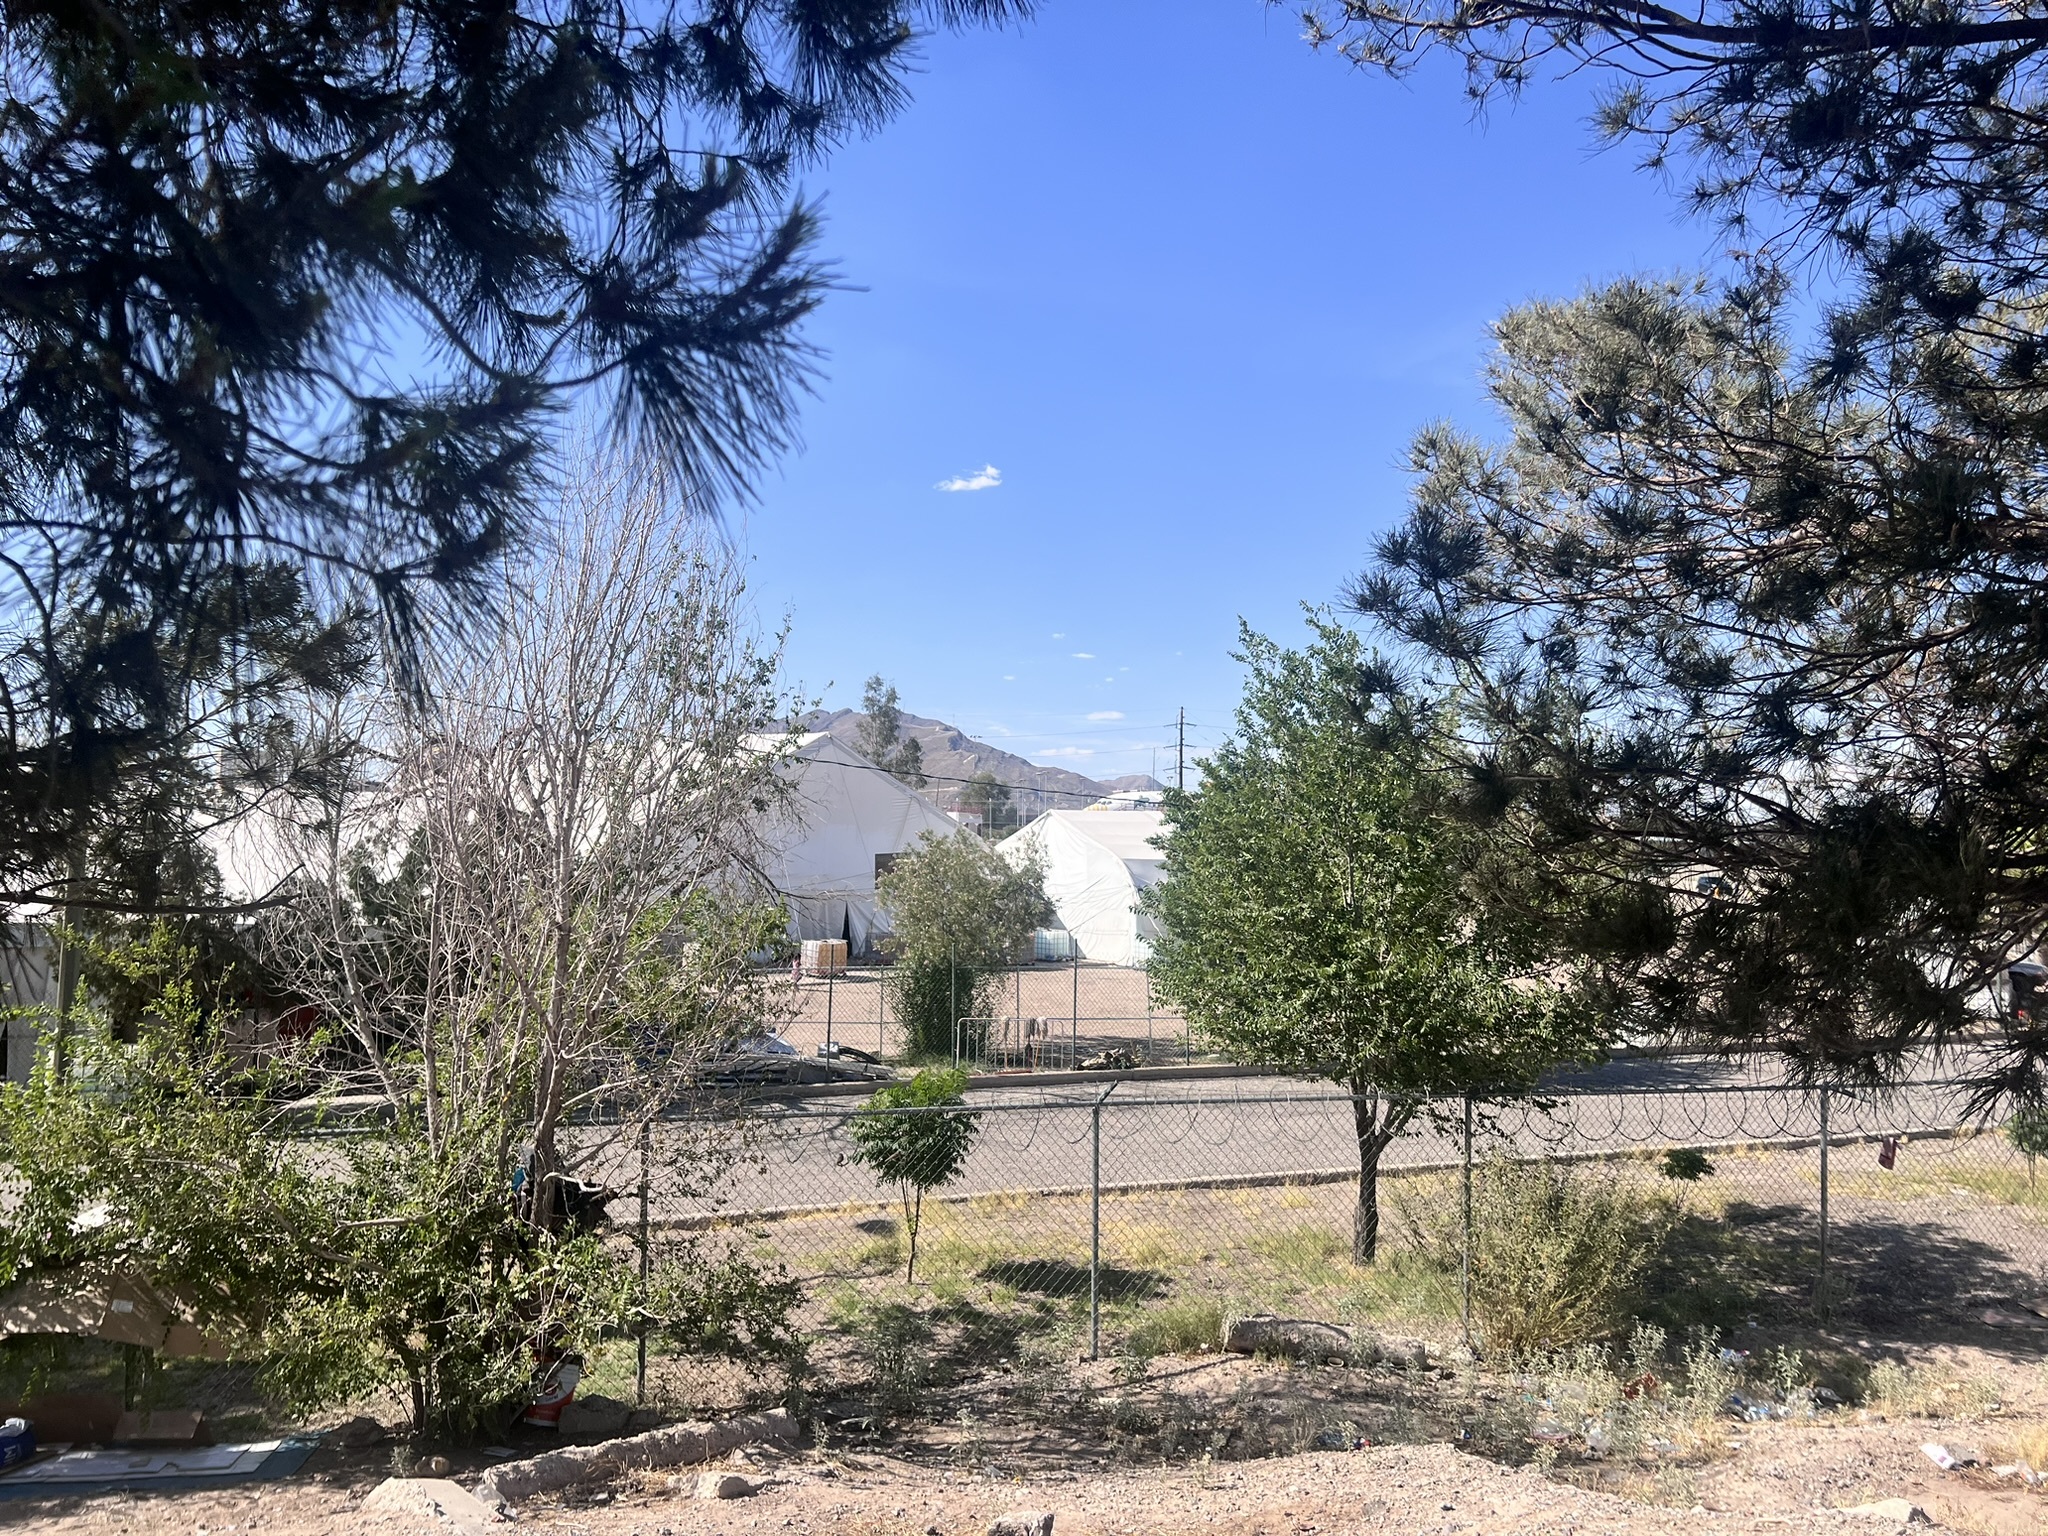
x=796, y=1155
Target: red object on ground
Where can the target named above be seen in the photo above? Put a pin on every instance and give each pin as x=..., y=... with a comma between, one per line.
x=1888, y=1152
x=556, y=1390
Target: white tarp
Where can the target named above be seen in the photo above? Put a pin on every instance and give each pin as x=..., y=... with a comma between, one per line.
x=1096, y=863
x=844, y=812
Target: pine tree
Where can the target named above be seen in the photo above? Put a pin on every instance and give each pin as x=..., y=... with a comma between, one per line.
x=293, y=293
x=1749, y=618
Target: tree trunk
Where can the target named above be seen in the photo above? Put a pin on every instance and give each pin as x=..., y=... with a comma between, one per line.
x=1377, y=1122
x=1365, y=1229
x=913, y=1218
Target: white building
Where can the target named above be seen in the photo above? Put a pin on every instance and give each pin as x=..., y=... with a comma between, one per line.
x=845, y=820
x=28, y=986
x=1096, y=863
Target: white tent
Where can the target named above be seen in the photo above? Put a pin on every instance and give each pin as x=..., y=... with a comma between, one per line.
x=844, y=821
x=28, y=988
x=1096, y=863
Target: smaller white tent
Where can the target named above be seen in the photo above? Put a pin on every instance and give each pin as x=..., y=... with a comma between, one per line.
x=845, y=819
x=1096, y=862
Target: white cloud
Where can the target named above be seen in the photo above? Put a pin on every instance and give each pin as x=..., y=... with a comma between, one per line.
x=1068, y=752
x=1084, y=655
x=1059, y=634
x=986, y=478
x=1107, y=714
x=1009, y=677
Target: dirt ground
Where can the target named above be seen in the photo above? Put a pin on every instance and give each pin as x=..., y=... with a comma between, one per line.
x=1092, y=1459
x=1793, y=1478
x=938, y=1406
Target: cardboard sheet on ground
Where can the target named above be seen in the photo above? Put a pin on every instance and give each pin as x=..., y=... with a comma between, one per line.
x=181, y=1467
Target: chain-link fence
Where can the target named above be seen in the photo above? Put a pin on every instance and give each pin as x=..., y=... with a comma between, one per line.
x=1048, y=1016
x=1143, y=1205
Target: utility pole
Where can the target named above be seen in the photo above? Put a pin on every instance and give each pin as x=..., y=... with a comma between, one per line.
x=1180, y=755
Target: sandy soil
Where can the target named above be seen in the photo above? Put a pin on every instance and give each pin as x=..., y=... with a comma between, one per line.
x=1783, y=1478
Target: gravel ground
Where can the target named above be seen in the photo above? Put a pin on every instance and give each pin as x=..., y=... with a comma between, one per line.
x=1786, y=1479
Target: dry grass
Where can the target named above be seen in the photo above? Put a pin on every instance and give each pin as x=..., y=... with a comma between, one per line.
x=1177, y=1328
x=1929, y=1392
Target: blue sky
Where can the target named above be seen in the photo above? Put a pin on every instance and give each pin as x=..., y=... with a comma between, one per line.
x=1190, y=288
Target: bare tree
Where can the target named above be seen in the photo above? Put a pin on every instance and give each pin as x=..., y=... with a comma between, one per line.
x=534, y=902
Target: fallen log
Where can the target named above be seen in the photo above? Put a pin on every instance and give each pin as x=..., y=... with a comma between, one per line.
x=1300, y=1338
x=673, y=1445
x=1293, y=1338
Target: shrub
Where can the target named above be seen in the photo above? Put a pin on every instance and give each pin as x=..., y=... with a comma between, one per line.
x=898, y=1346
x=1928, y=1391
x=1556, y=1254
x=959, y=913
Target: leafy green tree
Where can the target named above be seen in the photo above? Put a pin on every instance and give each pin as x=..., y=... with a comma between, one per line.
x=227, y=229
x=990, y=798
x=916, y=1135
x=959, y=914
x=1319, y=912
x=881, y=737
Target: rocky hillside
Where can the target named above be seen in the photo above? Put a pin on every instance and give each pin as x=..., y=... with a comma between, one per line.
x=951, y=757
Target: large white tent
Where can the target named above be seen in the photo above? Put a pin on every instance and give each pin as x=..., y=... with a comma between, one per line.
x=845, y=818
x=28, y=987
x=1096, y=862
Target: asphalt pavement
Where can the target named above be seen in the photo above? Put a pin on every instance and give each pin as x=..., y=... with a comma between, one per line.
x=796, y=1154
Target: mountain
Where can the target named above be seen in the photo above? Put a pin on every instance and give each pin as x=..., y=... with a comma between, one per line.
x=952, y=757
x=1130, y=781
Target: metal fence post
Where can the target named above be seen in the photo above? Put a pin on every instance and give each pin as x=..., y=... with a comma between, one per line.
x=828, y=1009
x=953, y=998
x=1820, y=1293
x=1095, y=1224
x=1074, y=1050
x=1465, y=1250
x=640, y=1371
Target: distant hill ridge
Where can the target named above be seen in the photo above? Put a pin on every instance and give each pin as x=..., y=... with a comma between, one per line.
x=951, y=757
